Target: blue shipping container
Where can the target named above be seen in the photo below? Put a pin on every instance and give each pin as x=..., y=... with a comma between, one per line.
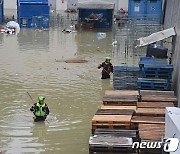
x=136, y=7
x=1, y=11
x=145, y=9
x=154, y=7
x=34, y=13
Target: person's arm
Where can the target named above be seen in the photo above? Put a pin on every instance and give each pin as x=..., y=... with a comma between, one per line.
x=47, y=110
x=99, y=66
x=111, y=68
x=32, y=109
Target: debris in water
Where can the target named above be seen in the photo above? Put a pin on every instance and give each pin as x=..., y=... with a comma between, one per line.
x=73, y=60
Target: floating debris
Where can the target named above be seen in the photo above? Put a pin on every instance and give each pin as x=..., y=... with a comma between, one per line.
x=73, y=60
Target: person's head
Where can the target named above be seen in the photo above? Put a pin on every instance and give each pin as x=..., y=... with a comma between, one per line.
x=41, y=99
x=108, y=59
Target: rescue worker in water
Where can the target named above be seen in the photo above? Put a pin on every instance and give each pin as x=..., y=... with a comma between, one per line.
x=107, y=68
x=40, y=109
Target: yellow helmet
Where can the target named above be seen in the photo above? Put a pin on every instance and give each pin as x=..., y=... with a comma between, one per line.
x=108, y=59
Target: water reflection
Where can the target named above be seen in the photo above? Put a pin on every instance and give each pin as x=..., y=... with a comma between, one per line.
x=1, y=38
x=33, y=39
x=88, y=42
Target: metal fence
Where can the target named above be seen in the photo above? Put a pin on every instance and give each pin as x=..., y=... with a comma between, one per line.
x=126, y=31
x=63, y=20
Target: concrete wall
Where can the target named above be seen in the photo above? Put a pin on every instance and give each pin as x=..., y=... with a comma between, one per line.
x=172, y=19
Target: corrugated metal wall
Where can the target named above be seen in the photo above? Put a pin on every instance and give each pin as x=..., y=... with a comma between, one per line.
x=172, y=19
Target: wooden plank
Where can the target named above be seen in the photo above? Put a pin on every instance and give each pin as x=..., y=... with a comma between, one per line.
x=147, y=120
x=112, y=118
x=109, y=152
x=156, y=92
x=117, y=132
x=119, y=101
x=151, y=135
x=147, y=127
x=111, y=121
x=157, y=96
x=151, y=131
x=121, y=93
x=154, y=104
x=150, y=112
x=123, y=97
x=114, y=112
x=119, y=107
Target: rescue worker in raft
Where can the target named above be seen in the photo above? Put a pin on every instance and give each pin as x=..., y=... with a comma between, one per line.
x=107, y=68
x=40, y=109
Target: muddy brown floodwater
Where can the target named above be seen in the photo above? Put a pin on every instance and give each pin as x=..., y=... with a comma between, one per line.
x=73, y=91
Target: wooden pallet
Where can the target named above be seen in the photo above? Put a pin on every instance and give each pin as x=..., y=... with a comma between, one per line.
x=150, y=151
x=152, y=132
x=136, y=120
x=111, y=121
x=119, y=107
x=123, y=101
x=110, y=142
x=154, y=104
x=157, y=96
x=157, y=92
x=117, y=93
x=150, y=112
x=109, y=152
x=114, y=112
x=117, y=132
x=145, y=127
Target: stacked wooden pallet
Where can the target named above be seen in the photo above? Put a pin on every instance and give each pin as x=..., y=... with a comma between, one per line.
x=111, y=123
x=123, y=111
x=149, y=118
x=149, y=133
x=108, y=140
x=158, y=96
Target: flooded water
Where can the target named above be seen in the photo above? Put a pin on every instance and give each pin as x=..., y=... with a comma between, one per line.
x=73, y=92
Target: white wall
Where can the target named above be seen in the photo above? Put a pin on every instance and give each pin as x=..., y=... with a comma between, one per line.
x=10, y=4
x=60, y=5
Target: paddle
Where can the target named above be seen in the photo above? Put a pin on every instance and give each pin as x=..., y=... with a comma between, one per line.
x=30, y=97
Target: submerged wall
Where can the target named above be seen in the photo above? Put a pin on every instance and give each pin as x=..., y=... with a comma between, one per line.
x=172, y=19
